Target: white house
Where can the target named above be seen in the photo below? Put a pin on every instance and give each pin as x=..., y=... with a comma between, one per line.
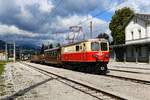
x=137, y=39
x=2, y=55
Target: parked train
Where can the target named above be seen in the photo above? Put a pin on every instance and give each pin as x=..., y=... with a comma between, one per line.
x=90, y=55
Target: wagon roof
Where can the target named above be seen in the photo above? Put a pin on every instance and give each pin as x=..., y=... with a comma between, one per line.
x=84, y=41
x=52, y=49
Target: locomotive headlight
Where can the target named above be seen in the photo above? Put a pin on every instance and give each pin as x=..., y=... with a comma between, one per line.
x=106, y=55
x=94, y=55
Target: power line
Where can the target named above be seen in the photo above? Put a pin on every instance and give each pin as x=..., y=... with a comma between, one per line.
x=98, y=14
x=53, y=10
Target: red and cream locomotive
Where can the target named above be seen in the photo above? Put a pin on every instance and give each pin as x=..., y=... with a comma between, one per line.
x=91, y=55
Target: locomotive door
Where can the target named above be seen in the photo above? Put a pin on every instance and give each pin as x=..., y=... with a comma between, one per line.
x=84, y=52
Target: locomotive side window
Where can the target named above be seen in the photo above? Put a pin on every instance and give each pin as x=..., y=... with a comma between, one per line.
x=104, y=46
x=95, y=46
x=83, y=47
x=77, y=48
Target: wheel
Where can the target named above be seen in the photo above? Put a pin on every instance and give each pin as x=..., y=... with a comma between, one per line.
x=101, y=70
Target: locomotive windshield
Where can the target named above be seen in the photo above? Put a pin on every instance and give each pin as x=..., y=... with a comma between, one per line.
x=95, y=46
x=103, y=46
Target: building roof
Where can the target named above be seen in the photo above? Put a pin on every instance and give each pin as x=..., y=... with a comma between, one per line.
x=135, y=44
x=144, y=17
x=56, y=48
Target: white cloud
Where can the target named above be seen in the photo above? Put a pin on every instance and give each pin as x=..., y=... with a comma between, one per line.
x=139, y=6
x=13, y=30
x=44, y=5
x=99, y=26
x=26, y=18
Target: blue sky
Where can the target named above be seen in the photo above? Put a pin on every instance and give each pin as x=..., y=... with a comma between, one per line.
x=43, y=21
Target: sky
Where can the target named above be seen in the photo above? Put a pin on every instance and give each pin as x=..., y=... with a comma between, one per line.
x=42, y=21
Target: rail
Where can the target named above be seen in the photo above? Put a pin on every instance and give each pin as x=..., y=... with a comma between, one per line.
x=92, y=91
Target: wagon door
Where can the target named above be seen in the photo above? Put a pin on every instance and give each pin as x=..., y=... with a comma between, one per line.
x=84, y=52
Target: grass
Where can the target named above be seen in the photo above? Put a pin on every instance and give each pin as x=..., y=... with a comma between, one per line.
x=2, y=65
x=1, y=68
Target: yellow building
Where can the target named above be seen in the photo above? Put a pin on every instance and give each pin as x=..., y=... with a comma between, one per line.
x=2, y=56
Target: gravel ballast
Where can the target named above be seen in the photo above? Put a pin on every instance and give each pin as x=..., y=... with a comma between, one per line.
x=28, y=84
x=126, y=89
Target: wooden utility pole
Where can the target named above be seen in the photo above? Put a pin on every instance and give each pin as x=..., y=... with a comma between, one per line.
x=91, y=30
x=14, y=51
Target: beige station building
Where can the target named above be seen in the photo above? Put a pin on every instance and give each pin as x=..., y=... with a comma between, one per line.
x=2, y=55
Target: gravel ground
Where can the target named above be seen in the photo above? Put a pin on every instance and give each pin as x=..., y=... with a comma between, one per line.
x=28, y=84
x=126, y=89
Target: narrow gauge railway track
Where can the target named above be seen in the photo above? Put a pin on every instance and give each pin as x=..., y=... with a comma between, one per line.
x=129, y=71
x=94, y=92
x=129, y=79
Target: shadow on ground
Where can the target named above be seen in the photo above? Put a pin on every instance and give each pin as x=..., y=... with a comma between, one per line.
x=22, y=92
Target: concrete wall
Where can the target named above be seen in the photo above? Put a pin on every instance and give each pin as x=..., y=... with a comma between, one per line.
x=148, y=30
x=135, y=27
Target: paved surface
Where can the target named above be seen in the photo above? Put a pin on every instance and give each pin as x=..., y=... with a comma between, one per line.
x=134, y=67
x=28, y=84
x=126, y=89
x=130, y=65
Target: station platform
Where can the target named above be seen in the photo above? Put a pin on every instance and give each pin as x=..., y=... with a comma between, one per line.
x=129, y=65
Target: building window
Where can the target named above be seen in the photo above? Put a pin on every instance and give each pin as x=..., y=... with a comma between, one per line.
x=132, y=35
x=139, y=33
x=135, y=20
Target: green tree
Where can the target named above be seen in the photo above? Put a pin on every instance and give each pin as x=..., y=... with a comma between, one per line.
x=51, y=46
x=103, y=36
x=42, y=49
x=58, y=44
x=116, y=25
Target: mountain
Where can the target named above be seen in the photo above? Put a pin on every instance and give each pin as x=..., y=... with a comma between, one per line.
x=31, y=46
x=25, y=49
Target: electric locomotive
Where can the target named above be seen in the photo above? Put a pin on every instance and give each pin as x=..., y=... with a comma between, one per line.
x=89, y=54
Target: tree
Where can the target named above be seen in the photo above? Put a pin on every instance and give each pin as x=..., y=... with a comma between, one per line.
x=50, y=46
x=103, y=36
x=58, y=44
x=117, y=23
x=42, y=49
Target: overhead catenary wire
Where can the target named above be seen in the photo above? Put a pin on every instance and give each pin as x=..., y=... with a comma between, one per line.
x=52, y=15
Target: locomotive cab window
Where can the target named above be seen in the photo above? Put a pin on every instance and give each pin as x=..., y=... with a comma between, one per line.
x=77, y=48
x=104, y=46
x=95, y=46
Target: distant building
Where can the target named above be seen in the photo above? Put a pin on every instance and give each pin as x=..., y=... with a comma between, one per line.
x=137, y=40
x=2, y=55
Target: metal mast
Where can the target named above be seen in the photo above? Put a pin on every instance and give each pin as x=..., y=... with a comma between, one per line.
x=6, y=51
x=14, y=51
x=91, y=30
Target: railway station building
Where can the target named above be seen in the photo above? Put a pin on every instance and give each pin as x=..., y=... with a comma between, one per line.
x=137, y=41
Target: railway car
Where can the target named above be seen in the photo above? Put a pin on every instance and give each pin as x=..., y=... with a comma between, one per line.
x=53, y=56
x=89, y=54
x=37, y=58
